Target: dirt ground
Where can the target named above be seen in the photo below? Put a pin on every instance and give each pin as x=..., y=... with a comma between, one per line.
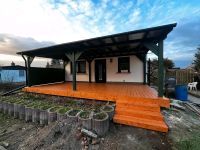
x=20, y=135
x=4, y=87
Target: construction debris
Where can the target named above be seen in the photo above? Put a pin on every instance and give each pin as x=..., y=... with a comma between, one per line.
x=89, y=133
x=193, y=108
x=4, y=144
x=177, y=104
x=2, y=148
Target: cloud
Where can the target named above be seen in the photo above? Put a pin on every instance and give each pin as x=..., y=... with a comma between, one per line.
x=62, y=21
x=10, y=44
x=182, y=43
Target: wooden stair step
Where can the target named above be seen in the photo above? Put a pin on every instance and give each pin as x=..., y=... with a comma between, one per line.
x=142, y=123
x=140, y=114
x=162, y=102
x=138, y=104
x=150, y=107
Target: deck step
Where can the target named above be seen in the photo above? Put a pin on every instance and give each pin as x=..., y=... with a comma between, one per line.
x=138, y=107
x=142, y=123
x=140, y=114
x=162, y=102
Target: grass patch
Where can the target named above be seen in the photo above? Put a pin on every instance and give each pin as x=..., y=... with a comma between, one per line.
x=100, y=116
x=74, y=112
x=85, y=114
x=70, y=102
x=54, y=109
x=63, y=110
x=107, y=108
x=189, y=144
x=45, y=107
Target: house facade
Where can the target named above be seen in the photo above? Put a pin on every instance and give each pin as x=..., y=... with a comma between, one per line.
x=12, y=74
x=109, y=69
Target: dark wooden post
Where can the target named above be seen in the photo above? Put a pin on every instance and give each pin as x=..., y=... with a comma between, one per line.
x=73, y=57
x=89, y=65
x=29, y=61
x=89, y=60
x=28, y=70
x=158, y=50
x=149, y=72
x=160, y=69
x=74, y=71
x=65, y=62
x=25, y=69
x=144, y=68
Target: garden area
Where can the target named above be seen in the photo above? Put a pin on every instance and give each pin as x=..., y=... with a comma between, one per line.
x=73, y=126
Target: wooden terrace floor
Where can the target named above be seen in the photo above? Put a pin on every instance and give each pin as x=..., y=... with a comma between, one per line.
x=97, y=91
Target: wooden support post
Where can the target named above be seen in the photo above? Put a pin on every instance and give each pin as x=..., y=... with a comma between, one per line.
x=89, y=60
x=25, y=69
x=89, y=64
x=158, y=50
x=153, y=47
x=29, y=61
x=73, y=57
x=65, y=62
x=160, y=69
x=28, y=71
x=149, y=72
x=144, y=68
x=74, y=72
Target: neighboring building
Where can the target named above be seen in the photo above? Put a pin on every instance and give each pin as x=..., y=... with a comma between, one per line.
x=10, y=74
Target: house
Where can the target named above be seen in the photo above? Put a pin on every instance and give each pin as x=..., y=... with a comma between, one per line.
x=107, y=68
x=12, y=74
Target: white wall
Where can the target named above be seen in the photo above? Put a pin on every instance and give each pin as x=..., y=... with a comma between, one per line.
x=112, y=75
x=12, y=76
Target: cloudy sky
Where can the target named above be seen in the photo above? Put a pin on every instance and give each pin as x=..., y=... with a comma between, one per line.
x=28, y=24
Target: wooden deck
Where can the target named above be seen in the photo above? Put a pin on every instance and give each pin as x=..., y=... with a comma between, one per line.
x=97, y=91
x=136, y=104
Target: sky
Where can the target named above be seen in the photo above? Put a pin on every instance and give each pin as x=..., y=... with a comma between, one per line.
x=29, y=24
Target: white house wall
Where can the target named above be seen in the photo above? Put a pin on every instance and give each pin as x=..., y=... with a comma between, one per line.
x=112, y=75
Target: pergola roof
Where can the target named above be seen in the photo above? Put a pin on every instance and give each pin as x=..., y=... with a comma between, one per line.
x=126, y=43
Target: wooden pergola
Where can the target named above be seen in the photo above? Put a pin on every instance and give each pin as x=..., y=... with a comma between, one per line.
x=137, y=42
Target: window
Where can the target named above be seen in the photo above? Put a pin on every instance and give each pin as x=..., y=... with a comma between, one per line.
x=21, y=73
x=80, y=66
x=123, y=64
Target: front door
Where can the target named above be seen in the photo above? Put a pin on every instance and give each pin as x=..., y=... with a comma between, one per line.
x=100, y=71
